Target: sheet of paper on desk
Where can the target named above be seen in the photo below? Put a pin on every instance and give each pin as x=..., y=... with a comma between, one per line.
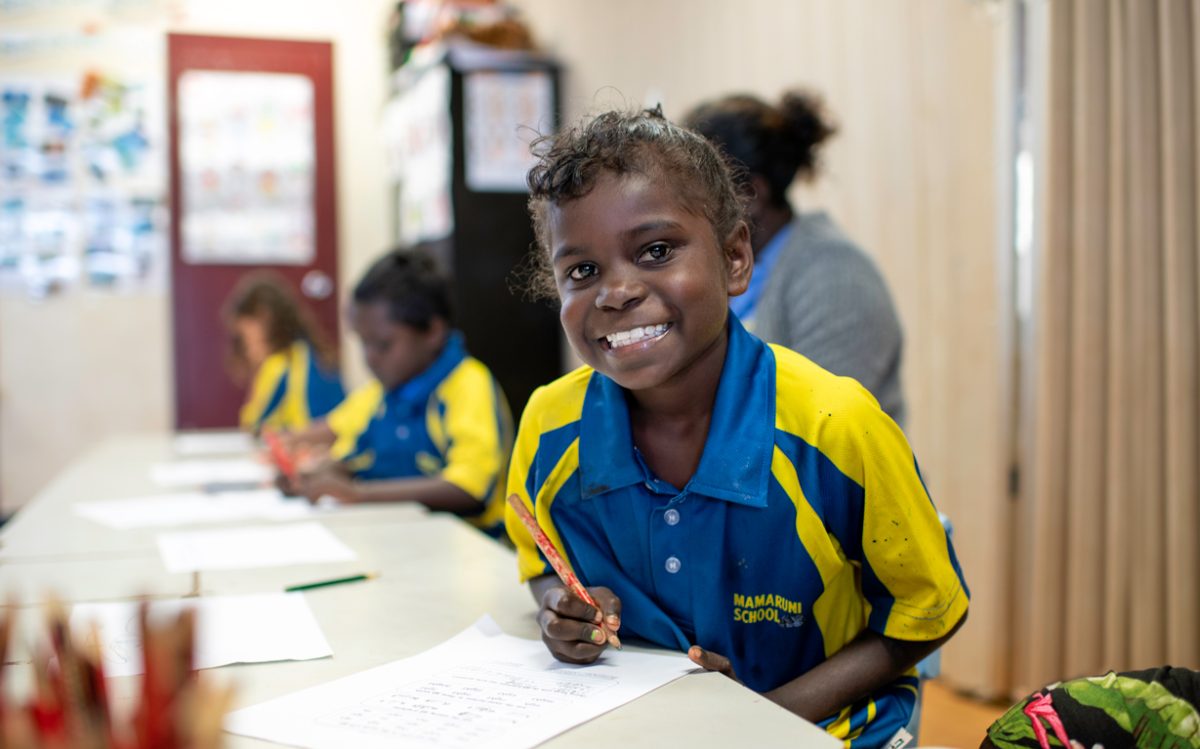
x=194, y=508
x=250, y=547
x=480, y=688
x=213, y=443
x=229, y=629
x=201, y=472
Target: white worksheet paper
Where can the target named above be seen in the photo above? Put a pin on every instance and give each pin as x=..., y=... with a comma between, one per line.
x=229, y=629
x=219, y=442
x=250, y=547
x=194, y=508
x=184, y=473
x=480, y=688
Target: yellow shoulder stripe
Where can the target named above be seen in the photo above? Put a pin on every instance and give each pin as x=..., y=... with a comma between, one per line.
x=266, y=380
x=529, y=561
x=352, y=416
x=809, y=527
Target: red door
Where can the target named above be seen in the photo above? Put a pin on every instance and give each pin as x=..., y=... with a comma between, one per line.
x=252, y=186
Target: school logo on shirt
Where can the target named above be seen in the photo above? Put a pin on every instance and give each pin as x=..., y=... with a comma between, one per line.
x=768, y=607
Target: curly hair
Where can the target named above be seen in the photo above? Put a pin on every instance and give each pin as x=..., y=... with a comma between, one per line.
x=623, y=143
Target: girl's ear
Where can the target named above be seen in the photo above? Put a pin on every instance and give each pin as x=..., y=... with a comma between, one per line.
x=739, y=259
x=439, y=325
x=439, y=330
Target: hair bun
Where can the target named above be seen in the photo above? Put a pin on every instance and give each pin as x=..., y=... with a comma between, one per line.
x=805, y=112
x=808, y=120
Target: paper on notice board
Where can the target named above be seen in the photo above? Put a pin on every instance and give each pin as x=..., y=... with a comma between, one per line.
x=250, y=547
x=194, y=508
x=482, y=687
x=229, y=629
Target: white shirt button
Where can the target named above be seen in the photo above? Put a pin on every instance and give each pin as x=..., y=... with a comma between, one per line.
x=671, y=516
x=673, y=564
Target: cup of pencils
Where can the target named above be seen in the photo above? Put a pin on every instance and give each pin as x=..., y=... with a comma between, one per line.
x=69, y=705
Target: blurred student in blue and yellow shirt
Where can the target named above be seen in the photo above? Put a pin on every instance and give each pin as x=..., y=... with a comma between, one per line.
x=279, y=349
x=434, y=426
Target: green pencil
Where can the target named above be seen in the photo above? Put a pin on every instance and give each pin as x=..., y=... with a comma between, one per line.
x=334, y=581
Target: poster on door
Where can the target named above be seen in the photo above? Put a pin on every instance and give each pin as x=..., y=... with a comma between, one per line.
x=246, y=153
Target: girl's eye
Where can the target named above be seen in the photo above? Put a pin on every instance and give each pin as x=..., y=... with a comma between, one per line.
x=657, y=252
x=582, y=272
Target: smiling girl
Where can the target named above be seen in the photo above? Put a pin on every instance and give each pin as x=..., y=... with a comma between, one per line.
x=717, y=495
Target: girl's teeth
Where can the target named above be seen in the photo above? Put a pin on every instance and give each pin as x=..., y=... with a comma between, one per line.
x=627, y=337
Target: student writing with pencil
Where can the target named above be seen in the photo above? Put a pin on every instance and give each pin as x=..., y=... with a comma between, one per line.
x=713, y=493
x=434, y=426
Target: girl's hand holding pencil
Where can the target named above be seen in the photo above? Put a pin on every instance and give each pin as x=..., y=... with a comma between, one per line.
x=576, y=622
x=576, y=631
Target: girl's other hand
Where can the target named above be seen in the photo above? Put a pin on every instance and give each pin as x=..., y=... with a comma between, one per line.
x=330, y=480
x=711, y=661
x=572, y=629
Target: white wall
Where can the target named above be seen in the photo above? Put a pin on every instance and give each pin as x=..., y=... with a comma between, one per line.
x=79, y=366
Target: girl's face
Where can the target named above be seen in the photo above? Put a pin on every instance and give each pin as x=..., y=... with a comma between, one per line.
x=644, y=282
x=252, y=332
x=395, y=352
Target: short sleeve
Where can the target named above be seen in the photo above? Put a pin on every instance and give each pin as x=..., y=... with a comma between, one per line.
x=910, y=575
x=478, y=430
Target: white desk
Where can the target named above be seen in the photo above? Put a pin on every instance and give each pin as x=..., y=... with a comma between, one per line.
x=438, y=575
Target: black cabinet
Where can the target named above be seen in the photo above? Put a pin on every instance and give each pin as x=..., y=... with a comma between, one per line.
x=489, y=96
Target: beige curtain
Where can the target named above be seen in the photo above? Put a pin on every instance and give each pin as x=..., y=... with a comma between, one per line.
x=1108, y=529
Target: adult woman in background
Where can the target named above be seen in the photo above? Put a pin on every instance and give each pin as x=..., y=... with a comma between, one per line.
x=813, y=290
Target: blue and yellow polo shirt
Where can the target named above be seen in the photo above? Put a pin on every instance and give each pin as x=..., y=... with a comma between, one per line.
x=805, y=522
x=290, y=389
x=452, y=421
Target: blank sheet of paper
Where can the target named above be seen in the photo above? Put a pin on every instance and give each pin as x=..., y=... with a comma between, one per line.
x=229, y=629
x=194, y=508
x=200, y=472
x=480, y=688
x=218, y=442
x=249, y=547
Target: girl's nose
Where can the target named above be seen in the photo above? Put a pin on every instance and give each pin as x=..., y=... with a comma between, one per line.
x=620, y=290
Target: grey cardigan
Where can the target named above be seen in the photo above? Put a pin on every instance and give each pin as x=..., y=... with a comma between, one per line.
x=826, y=299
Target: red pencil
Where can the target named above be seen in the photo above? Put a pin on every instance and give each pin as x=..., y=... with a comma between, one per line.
x=279, y=455
x=560, y=566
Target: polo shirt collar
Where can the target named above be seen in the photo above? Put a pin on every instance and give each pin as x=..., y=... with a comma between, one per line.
x=416, y=392
x=736, y=463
